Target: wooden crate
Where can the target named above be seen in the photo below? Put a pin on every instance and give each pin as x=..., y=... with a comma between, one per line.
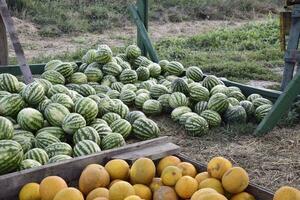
x=70, y=170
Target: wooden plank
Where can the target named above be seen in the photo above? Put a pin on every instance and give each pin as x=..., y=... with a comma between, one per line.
x=142, y=8
x=9, y=24
x=259, y=192
x=10, y=184
x=3, y=44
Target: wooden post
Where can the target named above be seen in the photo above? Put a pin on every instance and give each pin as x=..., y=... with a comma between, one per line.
x=142, y=9
x=3, y=44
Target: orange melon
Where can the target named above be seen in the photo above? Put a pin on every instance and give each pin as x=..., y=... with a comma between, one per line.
x=69, y=193
x=202, y=192
x=142, y=171
x=212, y=183
x=165, y=162
x=133, y=197
x=98, y=192
x=143, y=191
x=155, y=184
x=186, y=186
x=120, y=190
x=217, y=167
x=202, y=176
x=30, y=191
x=171, y=175
x=187, y=169
x=165, y=193
x=50, y=186
x=287, y=193
x=235, y=180
x=117, y=169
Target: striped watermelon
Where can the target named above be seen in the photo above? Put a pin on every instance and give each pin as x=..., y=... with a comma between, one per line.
x=117, y=86
x=147, y=84
x=85, y=147
x=27, y=134
x=137, y=62
x=180, y=85
x=22, y=86
x=52, y=64
x=55, y=113
x=72, y=122
x=25, y=142
x=248, y=106
x=211, y=81
x=37, y=154
x=30, y=119
x=11, y=155
x=103, y=54
x=112, y=68
x=112, y=140
x=101, y=89
x=64, y=100
x=28, y=164
x=57, y=89
x=158, y=90
x=262, y=111
x=175, y=68
x=111, y=117
x=125, y=65
x=11, y=104
x=93, y=74
x=108, y=80
x=177, y=112
x=98, y=121
x=261, y=101
x=212, y=117
x=236, y=94
x=9, y=83
x=235, y=114
x=218, y=102
x=133, y=52
x=163, y=64
x=102, y=129
x=145, y=62
x=134, y=115
x=164, y=101
x=252, y=97
x=198, y=92
x=141, y=99
x=74, y=66
x=144, y=128
x=127, y=96
x=131, y=87
x=121, y=126
x=113, y=94
x=82, y=67
x=196, y=126
x=78, y=78
x=106, y=104
x=33, y=93
x=86, y=133
x=54, y=77
x=59, y=148
x=43, y=139
x=152, y=107
x=86, y=90
x=90, y=56
x=3, y=94
x=95, y=98
x=121, y=109
x=234, y=88
x=128, y=76
x=45, y=83
x=185, y=116
x=58, y=158
x=65, y=69
x=171, y=78
x=87, y=108
x=233, y=101
x=219, y=89
x=143, y=73
x=55, y=131
x=154, y=70
x=166, y=83
x=177, y=99
x=194, y=73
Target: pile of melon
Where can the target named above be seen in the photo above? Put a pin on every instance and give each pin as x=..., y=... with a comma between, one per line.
x=171, y=179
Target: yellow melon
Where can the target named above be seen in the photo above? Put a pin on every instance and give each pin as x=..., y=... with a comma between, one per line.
x=50, y=186
x=165, y=193
x=170, y=175
x=217, y=167
x=243, y=196
x=235, y=180
x=287, y=193
x=120, y=190
x=212, y=183
x=93, y=176
x=30, y=191
x=117, y=169
x=186, y=186
x=202, y=192
x=211, y=196
x=202, y=176
x=165, y=162
x=187, y=169
x=113, y=182
x=155, y=184
x=101, y=198
x=143, y=191
x=69, y=193
x=133, y=197
x=98, y=192
x=142, y=171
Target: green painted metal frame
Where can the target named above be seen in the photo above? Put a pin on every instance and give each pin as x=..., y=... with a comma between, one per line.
x=142, y=8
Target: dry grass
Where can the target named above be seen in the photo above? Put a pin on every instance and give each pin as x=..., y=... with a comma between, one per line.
x=271, y=161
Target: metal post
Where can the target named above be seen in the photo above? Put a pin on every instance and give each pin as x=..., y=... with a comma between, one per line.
x=3, y=44
x=142, y=9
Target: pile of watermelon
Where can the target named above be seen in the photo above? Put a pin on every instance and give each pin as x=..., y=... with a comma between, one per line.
x=74, y=110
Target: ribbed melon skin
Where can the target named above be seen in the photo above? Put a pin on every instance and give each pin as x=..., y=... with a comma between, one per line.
x=180, y=85
x=219, y=89
x=177, y=112
x=30, y=119
x=85, y=147
x=185, y=116
x=112, y=68
x=248, y=106
x=134, y=115
x=54, y=77
x=55, y=131
x=133, y=52
x=128, y=76
x=143, y=73
x=43, y=104
x=89, y=57
x=59, y=148
x=111, y=117
x=157, y=90
x=86, y=90
x=252, y=97
x=196, y=126
x=93, y=74
x=87, y=108
x=175, y=68
x=141, y=99
x=58, y=158
x=25, y=142
x=194, y=73
x=198, y=92
x=72, y=122
x=127, y=96
x=43, y=139
x=121, y=109
x=112, y=140
x=218, y=102
x=178, y=99
x=64, y=69
x=164, y=101
x=52, y=64
x=9, y=83
x=121, y=126
x=103, y=54
x=147, y=85
x=261, y=101
x=262, y=111
x=37, y=154
x=233, y=101
x=200, y=107
x=58, y=88
x=28, y=164
x=6, y=128
x=78, y=78
x=64, y=100
x=212, y=117
x=11, y=104
x=11, y=154
x=236, y=94
x=55, y=114
x=87, y=133
x=154, y=70
x=152, y=107
x=235, y=114
x=117, y=86
x=144, y=128
x=211, y=81
x=102, y=129
x=33, y=93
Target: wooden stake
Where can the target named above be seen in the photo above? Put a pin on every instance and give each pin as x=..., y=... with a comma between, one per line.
x=3, y=44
